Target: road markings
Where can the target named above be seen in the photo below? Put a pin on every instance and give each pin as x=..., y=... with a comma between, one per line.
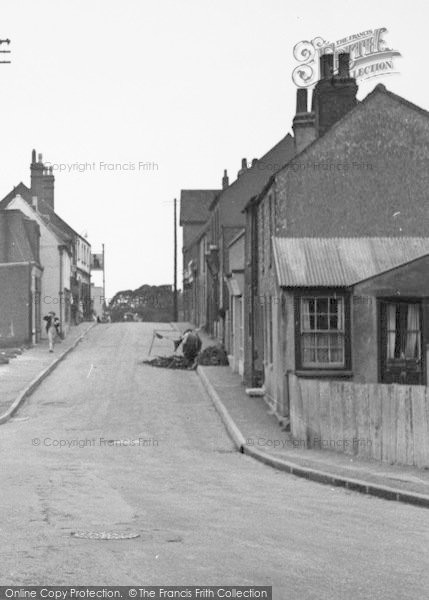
x=90, y=371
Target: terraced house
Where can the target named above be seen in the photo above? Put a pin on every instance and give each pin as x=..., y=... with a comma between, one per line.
x=194, y=217
x=211, y=287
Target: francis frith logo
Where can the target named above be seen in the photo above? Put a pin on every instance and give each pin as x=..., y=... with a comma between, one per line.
x=369, y=56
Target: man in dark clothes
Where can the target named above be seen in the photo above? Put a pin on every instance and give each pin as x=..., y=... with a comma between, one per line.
x=52, y=328
x=191, y=345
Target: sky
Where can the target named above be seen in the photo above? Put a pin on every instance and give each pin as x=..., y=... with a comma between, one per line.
x=172, y=91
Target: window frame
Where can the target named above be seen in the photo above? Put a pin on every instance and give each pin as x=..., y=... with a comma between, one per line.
x=322, y=293
x=383, y=367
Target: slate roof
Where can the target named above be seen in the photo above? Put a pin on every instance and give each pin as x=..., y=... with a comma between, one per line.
x=195, y=205
x=254, y=179
x=61, y=229
x=201, y=231
x=341, y=262
x=19, y=237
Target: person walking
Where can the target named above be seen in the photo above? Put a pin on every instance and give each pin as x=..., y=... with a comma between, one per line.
x=52, y=328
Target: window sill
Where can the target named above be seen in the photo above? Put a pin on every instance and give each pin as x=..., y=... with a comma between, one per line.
x=318, y=373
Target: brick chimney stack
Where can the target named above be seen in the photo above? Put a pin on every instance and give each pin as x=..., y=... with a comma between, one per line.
x=48, y=186
x=225, y=180
x=304, y=129
x=42, y=180
x=334, y=94
x=36, y=170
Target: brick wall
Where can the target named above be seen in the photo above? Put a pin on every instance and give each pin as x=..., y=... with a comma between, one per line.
x=15, y=304
x=372, y=176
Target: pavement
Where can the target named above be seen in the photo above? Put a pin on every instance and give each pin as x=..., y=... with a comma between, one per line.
x=257, y=433
x=22, y=374
x=107, y=445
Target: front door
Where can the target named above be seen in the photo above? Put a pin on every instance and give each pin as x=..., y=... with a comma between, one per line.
x=401, y=342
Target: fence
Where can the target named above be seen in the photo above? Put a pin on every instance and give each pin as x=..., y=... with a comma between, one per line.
x=388, y=423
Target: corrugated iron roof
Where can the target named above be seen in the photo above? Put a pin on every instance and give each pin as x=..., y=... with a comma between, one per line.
x=339, y=262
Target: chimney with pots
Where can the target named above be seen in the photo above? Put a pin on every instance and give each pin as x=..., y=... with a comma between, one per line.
x=42, y=180
x=225, y=180
x=334, y=94
x=304, y=129
x=243, y=167
x=48, y=187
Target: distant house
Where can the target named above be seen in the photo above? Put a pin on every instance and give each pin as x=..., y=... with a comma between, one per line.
x=65, y=255
x=97, y=300
x=207, y=232
x=227, y=221
x=194, y=215
x=20, y=279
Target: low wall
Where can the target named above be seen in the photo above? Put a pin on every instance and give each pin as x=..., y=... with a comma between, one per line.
x=388, y=423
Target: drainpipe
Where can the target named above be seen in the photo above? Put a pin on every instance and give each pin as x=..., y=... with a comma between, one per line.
x=253, y=287
x=31, y=295
x=61, y=293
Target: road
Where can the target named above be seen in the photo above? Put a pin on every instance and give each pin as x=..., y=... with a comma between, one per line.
x=206, y=514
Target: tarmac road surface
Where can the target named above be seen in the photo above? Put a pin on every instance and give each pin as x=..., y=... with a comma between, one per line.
x=205, y=514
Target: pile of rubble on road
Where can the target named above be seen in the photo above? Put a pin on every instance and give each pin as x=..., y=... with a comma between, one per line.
x=213, y=356
x=210, y=356
x=169, y=362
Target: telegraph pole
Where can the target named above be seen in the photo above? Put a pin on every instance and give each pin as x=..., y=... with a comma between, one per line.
x=104, y=281
x=175, y=307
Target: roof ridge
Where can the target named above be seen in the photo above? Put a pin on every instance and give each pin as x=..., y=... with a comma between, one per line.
x=254, y=168
x=379, y=88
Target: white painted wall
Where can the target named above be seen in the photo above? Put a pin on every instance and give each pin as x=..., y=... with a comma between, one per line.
x=50, y=261
x=83, y=255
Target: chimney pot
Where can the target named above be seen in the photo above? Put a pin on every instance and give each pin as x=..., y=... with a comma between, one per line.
x=326, y=66
x=243, y=167
x=343, y=65
x=225, y=179
x=254, y=161
x=33, y=156
x=40, y=158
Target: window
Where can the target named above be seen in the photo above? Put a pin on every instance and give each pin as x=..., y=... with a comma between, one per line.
x=322, y=331
x=403, y=331
x=401, y=357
